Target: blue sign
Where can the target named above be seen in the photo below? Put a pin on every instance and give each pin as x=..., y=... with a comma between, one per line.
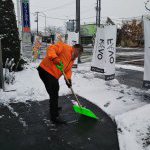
x=26, y=16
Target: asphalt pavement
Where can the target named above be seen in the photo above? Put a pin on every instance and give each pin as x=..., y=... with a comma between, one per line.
x=26, y=126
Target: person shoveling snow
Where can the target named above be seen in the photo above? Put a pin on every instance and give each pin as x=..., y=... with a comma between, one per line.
x=59, y=57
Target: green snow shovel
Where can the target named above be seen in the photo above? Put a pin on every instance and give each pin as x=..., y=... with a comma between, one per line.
x=78, y=107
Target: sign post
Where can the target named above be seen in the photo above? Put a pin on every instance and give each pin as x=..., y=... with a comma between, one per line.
x=26, y=31
x=146, y=80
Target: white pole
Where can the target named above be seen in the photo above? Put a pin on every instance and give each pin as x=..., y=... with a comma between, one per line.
x=19, y=18
x=20, y=11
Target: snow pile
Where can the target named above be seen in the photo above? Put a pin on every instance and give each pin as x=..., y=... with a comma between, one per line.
x=27, y=86
x=134, y=129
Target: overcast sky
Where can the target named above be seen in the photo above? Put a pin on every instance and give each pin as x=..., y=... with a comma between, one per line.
x=62, y=10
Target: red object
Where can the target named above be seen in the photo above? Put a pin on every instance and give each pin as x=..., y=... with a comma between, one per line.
x=26, y=29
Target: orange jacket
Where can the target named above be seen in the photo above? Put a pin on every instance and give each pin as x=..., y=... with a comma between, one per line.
x=64, y=53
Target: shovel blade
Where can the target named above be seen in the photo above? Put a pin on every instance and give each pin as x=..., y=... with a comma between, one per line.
x=84, y=111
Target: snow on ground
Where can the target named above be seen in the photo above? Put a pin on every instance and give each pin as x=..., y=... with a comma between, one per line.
x=129, y=61
x=130, y=53
x=134, y=129
x=130, y=67
x=111, y=96
x=27, y=86
x=129, y=48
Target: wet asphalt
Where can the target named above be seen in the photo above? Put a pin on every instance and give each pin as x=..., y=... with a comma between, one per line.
x=26, y=126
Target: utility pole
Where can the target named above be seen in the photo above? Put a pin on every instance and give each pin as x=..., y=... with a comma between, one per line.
x=78, y=16
x=37, y=20
x=78, y=23
x=99, y=14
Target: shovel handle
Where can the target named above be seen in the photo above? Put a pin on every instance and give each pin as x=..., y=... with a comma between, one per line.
x=72, y=90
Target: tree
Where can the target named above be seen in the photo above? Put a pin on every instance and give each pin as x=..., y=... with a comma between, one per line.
x=132, y=33
x=52, y=30
x=9, y=31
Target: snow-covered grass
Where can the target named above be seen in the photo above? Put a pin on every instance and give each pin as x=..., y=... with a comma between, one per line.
x=111, y=96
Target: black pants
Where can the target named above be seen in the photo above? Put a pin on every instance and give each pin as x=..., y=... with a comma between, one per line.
x=52, y=87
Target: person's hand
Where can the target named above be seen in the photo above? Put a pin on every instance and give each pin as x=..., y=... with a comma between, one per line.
x=60, y=66
x=68, y=83
x=56, y=61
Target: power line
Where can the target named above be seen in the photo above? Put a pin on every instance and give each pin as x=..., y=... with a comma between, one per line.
x=127, y=18
x=104, y=18
x=117, y=19
x=60, y=7
x=87, y=10
x=54, y=18
x=50, y=17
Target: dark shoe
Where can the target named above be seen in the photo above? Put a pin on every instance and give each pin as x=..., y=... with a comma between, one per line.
x=59, y=108
x=58, y=120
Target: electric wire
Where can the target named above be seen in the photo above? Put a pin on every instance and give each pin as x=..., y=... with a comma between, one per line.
x=59, y=7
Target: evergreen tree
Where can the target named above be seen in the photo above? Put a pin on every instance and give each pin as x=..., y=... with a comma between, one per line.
x=9, y=31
